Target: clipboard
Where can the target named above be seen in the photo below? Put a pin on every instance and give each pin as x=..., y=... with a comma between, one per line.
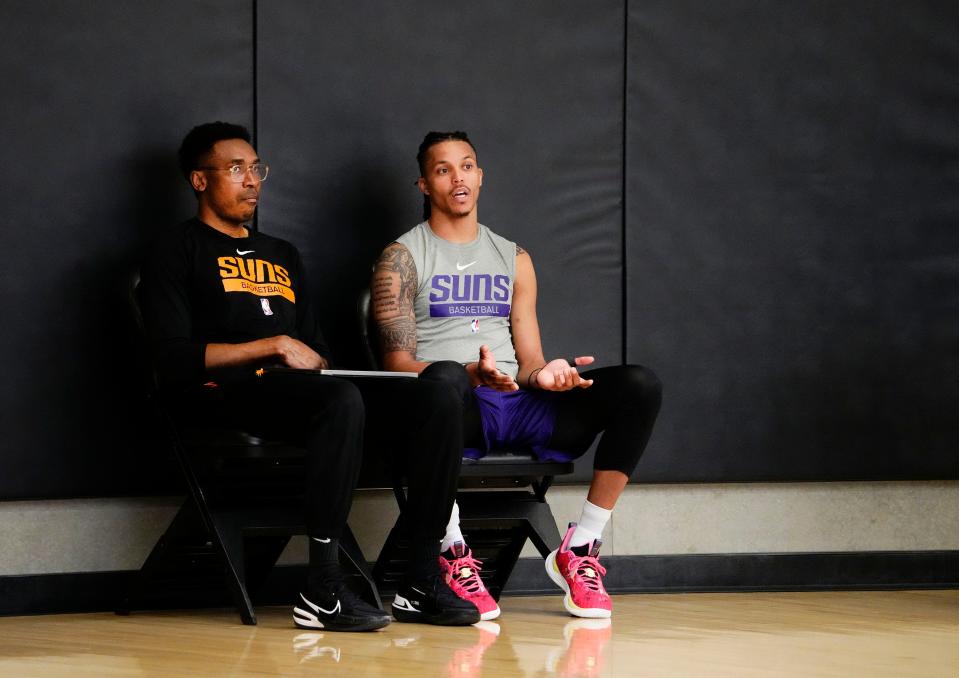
x=336, y=373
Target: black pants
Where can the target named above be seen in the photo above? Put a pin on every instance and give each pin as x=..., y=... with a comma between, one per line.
x=417, y=420
x=622, y=404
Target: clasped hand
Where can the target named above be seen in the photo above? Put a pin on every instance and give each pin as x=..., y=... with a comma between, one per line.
x=294, y=353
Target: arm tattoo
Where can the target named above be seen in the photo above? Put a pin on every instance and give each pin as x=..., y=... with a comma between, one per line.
x=398, y=335
x=520, y=250
x=394, y=292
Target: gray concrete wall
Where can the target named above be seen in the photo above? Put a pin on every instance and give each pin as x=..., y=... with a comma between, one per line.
x=89, y=535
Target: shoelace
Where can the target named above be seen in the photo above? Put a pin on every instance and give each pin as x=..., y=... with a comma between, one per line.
x=579, y=566
x=471, y=582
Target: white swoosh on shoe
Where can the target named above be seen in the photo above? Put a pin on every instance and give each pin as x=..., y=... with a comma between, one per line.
x=317, y=608
x=401, y=603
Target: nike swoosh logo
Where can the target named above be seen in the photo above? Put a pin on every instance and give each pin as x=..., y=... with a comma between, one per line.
x=242, y=252
x=322, y=541
x=401, y=603
x=317, y=608
x=463, y=267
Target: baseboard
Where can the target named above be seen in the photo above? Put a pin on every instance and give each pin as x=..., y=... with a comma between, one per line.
x=760, y=572
x=101, y=591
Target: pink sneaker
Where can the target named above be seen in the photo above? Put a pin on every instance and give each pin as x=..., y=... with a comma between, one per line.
x=462, y=575
x=581, y=577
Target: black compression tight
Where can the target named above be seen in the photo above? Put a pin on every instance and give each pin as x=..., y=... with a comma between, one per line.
x=622, y=404
x=416, y=422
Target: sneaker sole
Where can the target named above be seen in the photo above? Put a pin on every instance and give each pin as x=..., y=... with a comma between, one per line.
x=443, y=619
x=490, y=614
x=446, y=618
x=585, y=612
x=305, y=620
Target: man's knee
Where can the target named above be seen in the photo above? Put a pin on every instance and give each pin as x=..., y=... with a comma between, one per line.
x=452, y=375
x=641, y=385
x=341, y=399
x=441, y=396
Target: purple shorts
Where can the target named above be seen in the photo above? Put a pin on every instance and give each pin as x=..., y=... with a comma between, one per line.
x=518, y=419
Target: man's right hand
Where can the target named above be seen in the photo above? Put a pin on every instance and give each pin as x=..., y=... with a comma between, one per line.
x=294, y=353
x=484, y=373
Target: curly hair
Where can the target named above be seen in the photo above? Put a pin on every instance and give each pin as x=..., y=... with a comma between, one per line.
x=199, y=141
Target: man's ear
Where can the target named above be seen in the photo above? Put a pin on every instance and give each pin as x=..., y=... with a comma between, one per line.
x=480, y=170
x=198, y=181
x=421, y=183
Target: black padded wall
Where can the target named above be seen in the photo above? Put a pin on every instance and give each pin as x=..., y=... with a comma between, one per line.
x=773, y=187
x=792, y=191
x=346, y=92
x=96, y=97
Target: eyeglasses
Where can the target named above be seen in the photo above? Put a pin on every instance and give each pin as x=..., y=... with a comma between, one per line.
x=238, y=172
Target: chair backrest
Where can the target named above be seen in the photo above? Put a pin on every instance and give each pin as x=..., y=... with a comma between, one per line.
x=367, y=330
x=252, y=446
x=147, y=377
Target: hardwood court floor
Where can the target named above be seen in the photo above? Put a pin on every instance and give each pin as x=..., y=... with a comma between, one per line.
x=903, y=633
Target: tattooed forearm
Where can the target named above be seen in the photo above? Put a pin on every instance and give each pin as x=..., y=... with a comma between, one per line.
x=520, y=250
x=398, y=334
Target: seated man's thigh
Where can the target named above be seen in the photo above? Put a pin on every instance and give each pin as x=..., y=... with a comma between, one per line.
x=277, y=407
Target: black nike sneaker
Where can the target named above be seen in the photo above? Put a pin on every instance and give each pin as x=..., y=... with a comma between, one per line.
x=337, y=608
x=432, y=601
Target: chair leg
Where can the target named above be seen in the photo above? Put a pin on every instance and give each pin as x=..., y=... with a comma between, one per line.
x=391, y=564
x=228, y=540
x=506, y=561
x=542, y=528
x=227, y=537
x=350, y=551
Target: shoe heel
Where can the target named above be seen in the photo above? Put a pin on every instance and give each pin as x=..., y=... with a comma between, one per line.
x=554, y=573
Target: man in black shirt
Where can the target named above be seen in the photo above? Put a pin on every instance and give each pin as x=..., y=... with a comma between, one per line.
x=222, y=300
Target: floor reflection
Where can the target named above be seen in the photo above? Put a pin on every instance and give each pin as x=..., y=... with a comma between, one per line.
x=868, y=633
x=404, y=649
x=582, y=653
x=468, y=661
x=313, y=646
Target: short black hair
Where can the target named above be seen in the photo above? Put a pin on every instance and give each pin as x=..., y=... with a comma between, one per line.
x=430, y=140
x=199, y=141
x=433, y=138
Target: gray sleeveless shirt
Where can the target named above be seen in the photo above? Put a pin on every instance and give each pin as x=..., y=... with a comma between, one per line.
x=464, y=296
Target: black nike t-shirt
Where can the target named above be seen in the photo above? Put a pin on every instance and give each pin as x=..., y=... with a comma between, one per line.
x=201, y=286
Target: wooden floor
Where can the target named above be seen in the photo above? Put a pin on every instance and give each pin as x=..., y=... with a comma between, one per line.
x=741, y=634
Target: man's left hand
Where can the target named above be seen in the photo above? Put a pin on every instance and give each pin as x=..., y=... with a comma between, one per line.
x=559, y=375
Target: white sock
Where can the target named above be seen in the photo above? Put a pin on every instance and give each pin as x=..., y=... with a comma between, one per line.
x=453, y=533
x=590, y=525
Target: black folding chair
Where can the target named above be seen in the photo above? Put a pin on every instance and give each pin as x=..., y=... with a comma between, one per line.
x=244, y=502
x=502, y=500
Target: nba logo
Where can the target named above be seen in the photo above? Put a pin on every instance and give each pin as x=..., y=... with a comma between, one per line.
x=474, y=325
x=265, y=303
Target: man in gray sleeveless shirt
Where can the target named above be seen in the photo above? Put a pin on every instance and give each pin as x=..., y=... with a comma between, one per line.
x=455, y=302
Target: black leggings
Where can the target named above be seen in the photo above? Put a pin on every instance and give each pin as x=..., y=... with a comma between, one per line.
x=418, y=420
x=622, y=404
